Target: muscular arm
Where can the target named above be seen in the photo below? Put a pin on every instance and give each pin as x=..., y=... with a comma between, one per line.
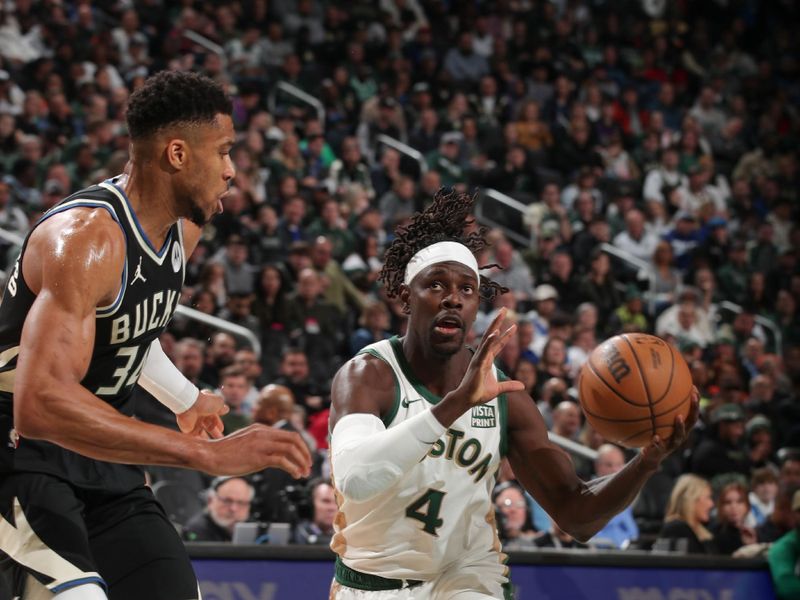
x=546, y=471
x=366, y=458
x=73, y=263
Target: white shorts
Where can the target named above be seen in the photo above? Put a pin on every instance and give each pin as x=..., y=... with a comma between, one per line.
x=470, y=581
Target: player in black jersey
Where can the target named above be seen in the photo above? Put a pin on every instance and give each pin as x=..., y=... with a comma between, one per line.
x=97, y=280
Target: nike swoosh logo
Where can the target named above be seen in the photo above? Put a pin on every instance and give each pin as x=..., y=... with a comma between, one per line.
x=406, y=402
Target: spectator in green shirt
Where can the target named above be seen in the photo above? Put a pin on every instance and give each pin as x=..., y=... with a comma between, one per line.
x=784, y=558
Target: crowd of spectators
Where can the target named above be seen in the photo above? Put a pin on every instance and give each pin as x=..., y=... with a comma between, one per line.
x=666, y=131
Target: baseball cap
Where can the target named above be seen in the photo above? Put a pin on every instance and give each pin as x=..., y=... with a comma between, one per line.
x=727, y=412
x=684, y=215
x=756, y=423
x=4, y=76
x=717, y=221
x=452, y=137
x=545, y=292
x=421, y=87
x=549, y=229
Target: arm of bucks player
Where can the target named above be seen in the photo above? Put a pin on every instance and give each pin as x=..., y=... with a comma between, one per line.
x=546, y=471
x=73, y=264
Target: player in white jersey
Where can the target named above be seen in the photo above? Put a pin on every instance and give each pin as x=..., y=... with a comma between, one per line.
x=420, y=423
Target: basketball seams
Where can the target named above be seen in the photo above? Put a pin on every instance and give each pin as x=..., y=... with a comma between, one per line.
x=671, y=375
x=648, y=418
x=644, y=381
x=609, y=386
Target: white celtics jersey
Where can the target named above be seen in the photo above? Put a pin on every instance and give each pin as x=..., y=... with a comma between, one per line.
x=441, y=511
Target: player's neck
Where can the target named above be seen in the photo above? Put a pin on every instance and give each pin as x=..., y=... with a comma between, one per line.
x=152, y=201
x=438, y=373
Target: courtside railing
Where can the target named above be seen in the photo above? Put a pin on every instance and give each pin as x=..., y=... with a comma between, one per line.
x=294, y=91
x=404, y=149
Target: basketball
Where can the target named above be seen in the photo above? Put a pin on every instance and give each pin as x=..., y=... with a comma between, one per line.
x=633, y=386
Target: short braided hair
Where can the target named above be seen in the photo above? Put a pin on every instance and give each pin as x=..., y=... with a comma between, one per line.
x=174, y=97
x=443, y=221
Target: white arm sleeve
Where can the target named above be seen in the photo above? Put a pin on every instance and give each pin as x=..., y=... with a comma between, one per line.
x=367, y=459
x=165, y=382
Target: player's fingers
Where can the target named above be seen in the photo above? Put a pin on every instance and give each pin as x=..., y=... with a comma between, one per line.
x=296, y=443
x=678, y=432
x=496, y=322
x=214, y=426
x=694, y=409
x=510, y=386
x=291, y=459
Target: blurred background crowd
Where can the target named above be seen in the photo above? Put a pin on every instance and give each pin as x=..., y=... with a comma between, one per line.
x=651, y=145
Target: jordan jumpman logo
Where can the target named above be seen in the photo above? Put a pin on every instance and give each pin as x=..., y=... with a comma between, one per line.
x=138, y=273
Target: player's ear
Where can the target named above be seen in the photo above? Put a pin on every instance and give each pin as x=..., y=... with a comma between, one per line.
x=176, y=153
x=405, y=296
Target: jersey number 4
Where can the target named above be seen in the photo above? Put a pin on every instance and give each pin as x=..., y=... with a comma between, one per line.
x=430, y=516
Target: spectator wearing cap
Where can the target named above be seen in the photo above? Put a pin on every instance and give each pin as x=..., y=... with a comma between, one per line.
x=698, y=192
x=684, y=236
x=629, y=316
x=784, y=557
x=713, y=250
x=446, y=161
x=637, y=240
x=228, y=501
x=545, y=301
x=760, y=444
x=723, y=452
x=381, y=117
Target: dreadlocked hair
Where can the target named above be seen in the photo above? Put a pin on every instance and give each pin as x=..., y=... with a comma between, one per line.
x=443, y=221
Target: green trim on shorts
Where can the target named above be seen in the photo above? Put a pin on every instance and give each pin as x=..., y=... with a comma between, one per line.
x=389, y=416
x=371, y=583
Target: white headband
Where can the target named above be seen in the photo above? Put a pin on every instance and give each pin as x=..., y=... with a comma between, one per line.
x=438, y=253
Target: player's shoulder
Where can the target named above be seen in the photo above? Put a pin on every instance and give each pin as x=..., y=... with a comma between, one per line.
x=364, y=368
x=80, y=226
x=82, y=240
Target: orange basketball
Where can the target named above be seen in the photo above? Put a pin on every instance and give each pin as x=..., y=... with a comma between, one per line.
x=633, y=386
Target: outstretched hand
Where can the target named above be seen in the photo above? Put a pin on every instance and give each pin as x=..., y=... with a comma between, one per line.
x=257, y=447
x=203, y=418
x=479, y=383
x=659, y=449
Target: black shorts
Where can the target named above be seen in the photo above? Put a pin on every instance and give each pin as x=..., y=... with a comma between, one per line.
x=65, y=536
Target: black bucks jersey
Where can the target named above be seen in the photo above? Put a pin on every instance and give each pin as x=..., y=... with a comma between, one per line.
x=149, y=291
